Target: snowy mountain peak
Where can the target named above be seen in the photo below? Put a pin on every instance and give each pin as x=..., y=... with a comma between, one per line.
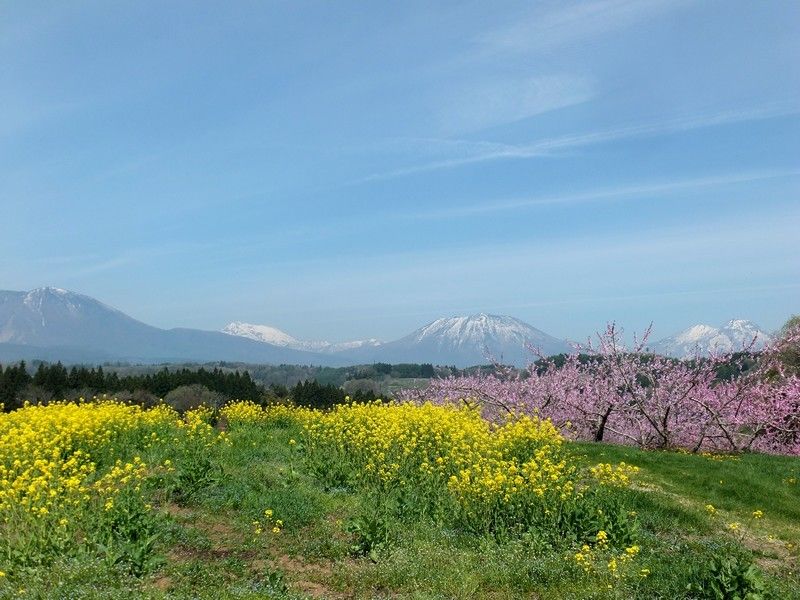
x=473, y=339
x=695, y=333
x=261, y=333
x=273, y=335
x=736, y=334
x=50, y=290
x=473, y=329
x=39, y=295
x=741, y=325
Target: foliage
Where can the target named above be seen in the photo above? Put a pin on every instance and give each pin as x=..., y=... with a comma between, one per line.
x=186, y=397
x=789, y=352
x=371, y=535
x=730, y=575
x=60, y=383
x=312, y=394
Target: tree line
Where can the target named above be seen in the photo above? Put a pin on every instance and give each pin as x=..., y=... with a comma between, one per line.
x=55, y=381
x=181, y=387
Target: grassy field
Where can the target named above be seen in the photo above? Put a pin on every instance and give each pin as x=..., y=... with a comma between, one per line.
x=254, y=517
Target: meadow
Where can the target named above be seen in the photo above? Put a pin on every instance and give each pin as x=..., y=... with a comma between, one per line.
x=106, y=500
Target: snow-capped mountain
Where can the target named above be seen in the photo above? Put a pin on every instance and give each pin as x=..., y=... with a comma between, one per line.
x=55, y=324
x=734, y=335
x=468, y=340
x=273, y=335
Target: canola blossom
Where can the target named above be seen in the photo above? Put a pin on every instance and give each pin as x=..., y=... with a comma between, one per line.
x=69, y=470
x=84, y=477
x=450, y=463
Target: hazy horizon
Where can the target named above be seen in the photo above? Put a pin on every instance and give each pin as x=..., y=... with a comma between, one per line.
x=345, y=171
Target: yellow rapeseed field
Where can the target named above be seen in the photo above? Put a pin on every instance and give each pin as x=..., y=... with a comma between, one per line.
x=68, y=471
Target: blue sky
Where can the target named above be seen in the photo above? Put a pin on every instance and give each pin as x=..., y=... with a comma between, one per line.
x=346, y=170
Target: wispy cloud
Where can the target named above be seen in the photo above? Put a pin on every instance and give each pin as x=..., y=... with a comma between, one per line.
x=542, y=29
x=473, y=152
x=660, y=294
x=621, y=192
x=482, y=103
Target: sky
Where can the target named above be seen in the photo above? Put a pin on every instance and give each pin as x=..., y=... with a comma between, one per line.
x=345, y=170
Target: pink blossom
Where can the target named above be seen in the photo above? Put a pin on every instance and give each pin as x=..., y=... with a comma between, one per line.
x=609, y=392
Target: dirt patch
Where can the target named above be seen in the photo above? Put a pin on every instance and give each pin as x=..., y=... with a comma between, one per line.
x=178, y=512
x=162, y=583
x=220, y=533
x=223, y=539
x=308, y=578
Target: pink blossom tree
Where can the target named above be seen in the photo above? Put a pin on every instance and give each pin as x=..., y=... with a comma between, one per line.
x=610, y=392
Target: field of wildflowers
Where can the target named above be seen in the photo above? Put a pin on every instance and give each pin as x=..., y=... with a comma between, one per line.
x=103, y=499
x=79, y=479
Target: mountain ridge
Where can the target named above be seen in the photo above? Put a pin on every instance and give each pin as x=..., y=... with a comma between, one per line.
x=50, y=323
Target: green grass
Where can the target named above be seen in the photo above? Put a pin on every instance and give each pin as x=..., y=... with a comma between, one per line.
x=210, y=549
x=735, y=485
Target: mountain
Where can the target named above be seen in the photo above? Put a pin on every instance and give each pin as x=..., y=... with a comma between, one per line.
x=465, y=341
x=734, y=335
x=272, y=335
x=55, y=324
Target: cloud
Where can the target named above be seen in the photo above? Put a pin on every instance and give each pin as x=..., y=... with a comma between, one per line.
x=725, y=236
x=547, y=29
x=606, y=194
x=487, y=103
x=474, y=151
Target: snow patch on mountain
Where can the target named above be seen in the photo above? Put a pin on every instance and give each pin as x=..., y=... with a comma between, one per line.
x=273, y=335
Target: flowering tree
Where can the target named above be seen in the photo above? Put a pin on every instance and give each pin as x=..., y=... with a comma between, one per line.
x=609, y=392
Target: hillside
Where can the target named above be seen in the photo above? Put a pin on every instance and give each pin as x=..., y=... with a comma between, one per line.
x=252, y=510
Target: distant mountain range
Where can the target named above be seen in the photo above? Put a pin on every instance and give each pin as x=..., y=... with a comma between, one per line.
x=734, y=335
x=460, y=341
x=51, y=323
x=54, y=324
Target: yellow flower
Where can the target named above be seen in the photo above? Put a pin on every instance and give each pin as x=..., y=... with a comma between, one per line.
x=757, y=514
x=710, y=509
x=632, y=551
